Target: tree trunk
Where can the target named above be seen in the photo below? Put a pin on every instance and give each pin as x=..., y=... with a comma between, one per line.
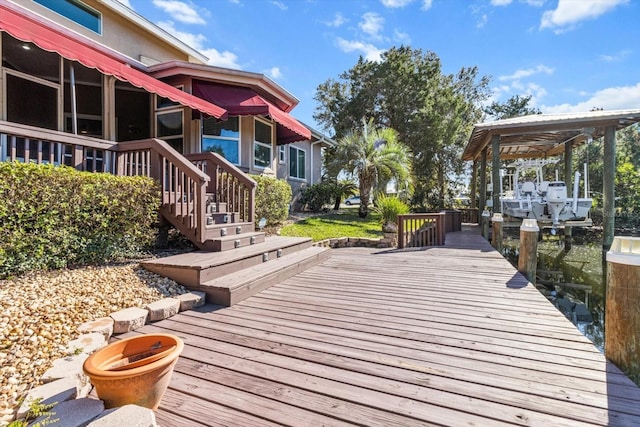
x=336, y=205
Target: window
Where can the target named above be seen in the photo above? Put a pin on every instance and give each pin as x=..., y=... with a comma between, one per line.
x=297, y=166
x=262, y=145
x=76, y=11
x=169, y=128
x=282, y=152
x=222, y=137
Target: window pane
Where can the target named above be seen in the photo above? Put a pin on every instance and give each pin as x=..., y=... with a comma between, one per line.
x=31, y=103
x=169, y=124
x=293, y=162
x=225, y=147
x=76, y=11
x=301, y=164
x=30, y=59
x=261, y=155
x=263, y=132
x=228, y=129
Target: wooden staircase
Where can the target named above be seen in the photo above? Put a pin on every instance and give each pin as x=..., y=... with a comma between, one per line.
x=212, y=203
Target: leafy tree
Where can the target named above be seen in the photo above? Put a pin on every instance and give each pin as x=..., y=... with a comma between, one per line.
x=515, y=106
x=373, y=155
x=406, y=91
x=343, y=188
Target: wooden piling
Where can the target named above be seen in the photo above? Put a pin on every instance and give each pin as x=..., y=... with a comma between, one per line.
x=528, y=256
x=622, y=313
x=496, y=238
x=568, y=238
x=485, y=224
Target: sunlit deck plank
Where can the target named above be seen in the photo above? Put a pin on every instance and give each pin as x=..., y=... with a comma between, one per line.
x=447, y=336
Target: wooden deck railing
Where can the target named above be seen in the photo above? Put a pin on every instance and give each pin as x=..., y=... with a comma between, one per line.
x=469, y=215
x=183, y=186
x=25, y=143
x=417, y=230
x=228, y=184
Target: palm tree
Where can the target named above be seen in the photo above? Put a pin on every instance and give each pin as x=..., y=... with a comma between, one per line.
x=375, y=156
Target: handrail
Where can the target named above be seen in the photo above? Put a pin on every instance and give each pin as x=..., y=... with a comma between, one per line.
x=229, y=184
x=32, y=132
x=183, y=186
x=422, y=229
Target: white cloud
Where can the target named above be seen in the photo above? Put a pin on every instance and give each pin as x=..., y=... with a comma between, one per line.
x=279, y=5
x=520, y=74
x=372, y=24
x=613, y=98
x=221, y=59
x=224, y=59
x=338, y=21
x=180, y=11
x=426, y=4
x=369, y=51
x=482, y=21
x=501, y=2
x=570, y=12
x=274, y=73
x=401, y=37
x=395, y=3
x=618, y=56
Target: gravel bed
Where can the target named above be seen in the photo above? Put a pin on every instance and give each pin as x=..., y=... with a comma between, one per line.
x=40, y=313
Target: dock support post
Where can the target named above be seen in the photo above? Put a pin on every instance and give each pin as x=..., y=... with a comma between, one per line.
x=568, y=180
x=528, y=257
x=608, y=186
x=474, y=186
x=496, y=238
x=622, y=312
x=483, y=183
x=485, y=224
x=495, y=173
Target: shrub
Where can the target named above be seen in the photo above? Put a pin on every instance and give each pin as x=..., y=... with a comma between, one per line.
x=273, y=197
x=389, y=207
x=55, y=216
x=316, y=196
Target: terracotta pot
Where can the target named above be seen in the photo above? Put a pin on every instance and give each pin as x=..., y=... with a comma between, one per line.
x=134, y=370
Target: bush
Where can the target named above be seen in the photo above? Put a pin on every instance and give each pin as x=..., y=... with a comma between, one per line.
x=55, y=216
x=316, y=196
x=273, y=197
x=389, y=207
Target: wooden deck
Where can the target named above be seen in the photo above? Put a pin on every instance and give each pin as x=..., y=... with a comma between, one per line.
x=448, y=335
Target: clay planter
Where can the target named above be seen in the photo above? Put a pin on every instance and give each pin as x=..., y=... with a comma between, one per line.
x=134, y=370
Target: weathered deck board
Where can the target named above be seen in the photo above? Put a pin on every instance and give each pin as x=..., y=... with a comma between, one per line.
x=438, y=336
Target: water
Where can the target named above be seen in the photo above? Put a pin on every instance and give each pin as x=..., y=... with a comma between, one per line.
x=582, y=265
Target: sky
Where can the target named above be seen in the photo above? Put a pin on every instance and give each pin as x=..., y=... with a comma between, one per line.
x=569, y=55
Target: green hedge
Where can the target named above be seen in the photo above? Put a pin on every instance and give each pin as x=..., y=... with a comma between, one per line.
x=54, y=216
x=273, y=197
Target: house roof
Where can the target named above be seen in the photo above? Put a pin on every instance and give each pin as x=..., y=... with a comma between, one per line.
x=142, y=22
x=543, y=135
x=319, y=137
x=260, y=83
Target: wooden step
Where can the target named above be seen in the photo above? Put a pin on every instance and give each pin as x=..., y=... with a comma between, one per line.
x=235, y=287
x=194, y=268
x=220, y=230
x=234, y=241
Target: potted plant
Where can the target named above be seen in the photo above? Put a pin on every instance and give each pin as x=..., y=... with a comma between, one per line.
x=135, y=370
x=389, y=207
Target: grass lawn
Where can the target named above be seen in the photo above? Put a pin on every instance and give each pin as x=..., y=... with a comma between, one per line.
x=343, y=223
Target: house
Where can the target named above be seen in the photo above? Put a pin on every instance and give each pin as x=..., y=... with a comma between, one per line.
x=94, y=85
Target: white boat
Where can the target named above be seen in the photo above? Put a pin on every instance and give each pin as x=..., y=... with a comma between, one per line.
x=545, y=201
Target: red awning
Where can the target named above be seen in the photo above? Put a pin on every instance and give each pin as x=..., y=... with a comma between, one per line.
x=243, y=101
x=22, y=25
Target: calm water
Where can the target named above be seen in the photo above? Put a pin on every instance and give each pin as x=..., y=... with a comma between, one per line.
x=582, y=265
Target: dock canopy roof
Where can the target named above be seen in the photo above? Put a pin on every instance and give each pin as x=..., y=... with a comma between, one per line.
x=244, y=101
x=544, y=135
x=50, y=37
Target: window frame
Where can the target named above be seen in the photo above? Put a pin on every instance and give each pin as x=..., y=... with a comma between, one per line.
x=304, y=165
x=225, y=138
x=257, y=143
x=82, y=7
x=282, y=154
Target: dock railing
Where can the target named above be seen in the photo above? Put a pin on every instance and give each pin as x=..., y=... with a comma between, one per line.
x=421, y=229
x=469, y=215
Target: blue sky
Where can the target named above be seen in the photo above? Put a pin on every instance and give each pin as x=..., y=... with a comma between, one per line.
x=570, y=55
